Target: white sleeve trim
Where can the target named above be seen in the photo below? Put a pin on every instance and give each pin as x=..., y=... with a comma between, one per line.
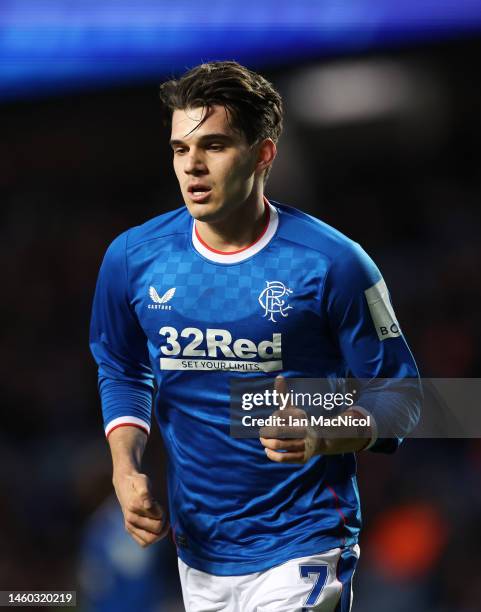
x=373, y=425
x=126, y=420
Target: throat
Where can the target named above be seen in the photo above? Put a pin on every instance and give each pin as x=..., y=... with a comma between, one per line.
x=235, y=236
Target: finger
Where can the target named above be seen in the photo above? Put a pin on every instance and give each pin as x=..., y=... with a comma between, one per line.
x=136, y=506
x=282, y=432
x=139, y=541
x=144, y=538
x=280, y=384
x=292, y=411
x=147, y=524
x=297, y=457
x=286, y=445
x=132, y=531
x=155, y=510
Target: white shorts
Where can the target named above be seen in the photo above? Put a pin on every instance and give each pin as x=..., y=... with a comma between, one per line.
x=321, y=583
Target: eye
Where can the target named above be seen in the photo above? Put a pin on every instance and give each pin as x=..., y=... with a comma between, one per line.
x=215, y=146
x=179, y=150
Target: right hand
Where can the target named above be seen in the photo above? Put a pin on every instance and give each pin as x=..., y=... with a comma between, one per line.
x=287, y=443
x=144, y=517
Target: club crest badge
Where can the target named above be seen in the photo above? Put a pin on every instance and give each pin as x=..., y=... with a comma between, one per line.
x=273, y=300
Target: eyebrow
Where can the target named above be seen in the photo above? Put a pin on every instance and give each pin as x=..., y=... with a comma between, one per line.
x=204, y=138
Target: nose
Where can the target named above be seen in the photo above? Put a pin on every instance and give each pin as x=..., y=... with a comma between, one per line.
x=194, y=162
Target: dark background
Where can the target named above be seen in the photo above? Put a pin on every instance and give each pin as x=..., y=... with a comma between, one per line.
x=405, y=182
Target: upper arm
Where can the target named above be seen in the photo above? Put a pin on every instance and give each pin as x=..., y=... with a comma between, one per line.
x=372, y=345
x=362, y=318
x=117, y=341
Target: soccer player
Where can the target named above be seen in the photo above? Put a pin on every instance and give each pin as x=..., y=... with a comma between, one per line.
x=231, y=286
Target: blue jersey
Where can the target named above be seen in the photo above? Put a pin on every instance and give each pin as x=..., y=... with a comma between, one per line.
x=173, y=315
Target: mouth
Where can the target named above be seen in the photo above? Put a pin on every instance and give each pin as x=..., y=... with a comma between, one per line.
x=199, y=193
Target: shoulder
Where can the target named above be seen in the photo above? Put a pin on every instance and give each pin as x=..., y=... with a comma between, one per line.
x=346, y=262
x=158, y=228
x=177, y=221
x=309, y=232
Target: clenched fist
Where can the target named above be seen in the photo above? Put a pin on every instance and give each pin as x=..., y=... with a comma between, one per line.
x=297, y=444
x=144, y=517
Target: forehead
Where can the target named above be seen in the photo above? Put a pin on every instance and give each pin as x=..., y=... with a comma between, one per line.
x=185, y=123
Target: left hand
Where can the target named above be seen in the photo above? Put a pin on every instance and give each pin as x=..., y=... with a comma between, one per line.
x=299, y=444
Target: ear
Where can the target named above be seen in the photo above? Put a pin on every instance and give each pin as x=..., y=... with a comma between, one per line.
x=266, y=154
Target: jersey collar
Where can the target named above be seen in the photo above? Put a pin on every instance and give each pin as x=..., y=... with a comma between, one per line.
x=234, y=257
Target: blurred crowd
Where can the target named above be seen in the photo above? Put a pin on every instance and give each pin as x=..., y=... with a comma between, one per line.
x=76, y=171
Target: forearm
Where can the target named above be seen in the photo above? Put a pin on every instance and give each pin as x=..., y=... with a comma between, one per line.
x=395, y=407
x=127, y=445
x=348, y=439
x=144, y=517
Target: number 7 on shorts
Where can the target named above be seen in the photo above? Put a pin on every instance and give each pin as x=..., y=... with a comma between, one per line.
x=319, y=574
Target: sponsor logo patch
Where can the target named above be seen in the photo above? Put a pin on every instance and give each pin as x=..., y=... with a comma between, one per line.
x=160, y=303
x=216, y=349
x=382, y=312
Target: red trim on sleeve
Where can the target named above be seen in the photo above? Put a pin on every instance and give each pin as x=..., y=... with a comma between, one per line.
x=129, y=425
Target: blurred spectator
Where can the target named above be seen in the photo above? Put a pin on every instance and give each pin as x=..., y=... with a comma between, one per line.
x=116, y=575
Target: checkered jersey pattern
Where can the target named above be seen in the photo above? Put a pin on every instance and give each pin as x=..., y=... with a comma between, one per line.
x=213, y=292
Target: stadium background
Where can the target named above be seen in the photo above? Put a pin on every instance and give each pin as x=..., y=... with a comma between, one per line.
x=383, y=125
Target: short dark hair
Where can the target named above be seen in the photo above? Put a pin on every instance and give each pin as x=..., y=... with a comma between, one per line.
x=254, y=106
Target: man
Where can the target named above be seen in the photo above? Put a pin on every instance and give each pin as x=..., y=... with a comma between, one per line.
x=233, y=286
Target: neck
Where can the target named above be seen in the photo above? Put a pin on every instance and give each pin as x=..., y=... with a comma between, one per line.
x=240, y=229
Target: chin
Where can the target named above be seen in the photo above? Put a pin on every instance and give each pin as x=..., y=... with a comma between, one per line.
x=205, y=212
